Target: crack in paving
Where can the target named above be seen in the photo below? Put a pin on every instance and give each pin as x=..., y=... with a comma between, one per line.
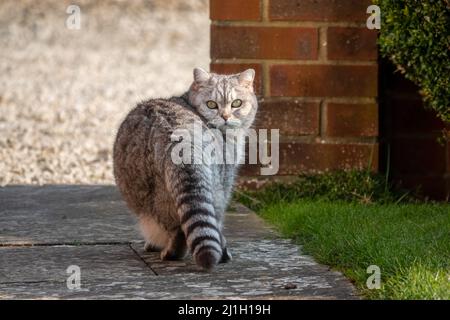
x=143, y=260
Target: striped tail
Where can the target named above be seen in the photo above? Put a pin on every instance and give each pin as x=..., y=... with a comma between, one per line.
x=192, y=192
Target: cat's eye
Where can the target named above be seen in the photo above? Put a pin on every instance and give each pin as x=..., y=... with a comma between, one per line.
x=236, y=103
x=211, y=104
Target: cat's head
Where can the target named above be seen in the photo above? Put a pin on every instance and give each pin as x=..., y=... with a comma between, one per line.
x=225, y=101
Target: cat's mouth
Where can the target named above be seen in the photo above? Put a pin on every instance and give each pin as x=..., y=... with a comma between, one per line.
x=232, y=123
x=229, y=124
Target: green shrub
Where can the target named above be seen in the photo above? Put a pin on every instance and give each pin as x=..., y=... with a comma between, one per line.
x=351, y=186
x=414, y=35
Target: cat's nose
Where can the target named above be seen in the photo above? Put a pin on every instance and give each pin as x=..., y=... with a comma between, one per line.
x=226, y=116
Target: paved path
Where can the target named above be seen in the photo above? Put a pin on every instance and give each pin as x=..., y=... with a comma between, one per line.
x=44, y=230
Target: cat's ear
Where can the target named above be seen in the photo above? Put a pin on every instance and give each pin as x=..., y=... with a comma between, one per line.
x=201, y=75
x=246, y=78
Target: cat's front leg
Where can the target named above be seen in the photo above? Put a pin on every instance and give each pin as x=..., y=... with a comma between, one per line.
x=150, y=247
x=226, y=255
x=176, y=248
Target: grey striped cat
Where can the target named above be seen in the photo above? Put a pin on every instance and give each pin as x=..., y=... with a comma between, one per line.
x=181, y=206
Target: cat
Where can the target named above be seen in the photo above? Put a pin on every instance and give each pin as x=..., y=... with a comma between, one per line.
x=181, y=206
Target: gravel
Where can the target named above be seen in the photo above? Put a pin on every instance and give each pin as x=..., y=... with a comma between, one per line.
x=64, y=92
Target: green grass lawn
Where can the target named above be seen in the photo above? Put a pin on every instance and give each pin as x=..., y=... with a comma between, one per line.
x=410, y=243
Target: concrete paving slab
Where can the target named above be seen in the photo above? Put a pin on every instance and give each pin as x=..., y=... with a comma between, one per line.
x=44, y=230
x=49, y=263
x=58, y=214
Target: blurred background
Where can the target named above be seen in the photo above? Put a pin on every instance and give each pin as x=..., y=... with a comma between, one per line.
x=63, y=92
x=344, y=96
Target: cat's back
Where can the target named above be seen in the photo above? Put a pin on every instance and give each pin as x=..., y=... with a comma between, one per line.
x=157, y=112
x=152, y=119
x=146, y=128
x=140, y=146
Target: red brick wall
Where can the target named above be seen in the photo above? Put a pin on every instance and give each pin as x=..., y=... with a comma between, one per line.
x=411, y=133
x=317, y=77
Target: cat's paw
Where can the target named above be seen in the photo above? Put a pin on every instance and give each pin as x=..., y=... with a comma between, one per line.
x=226, y=256
x=148, y=247
x=168, y=255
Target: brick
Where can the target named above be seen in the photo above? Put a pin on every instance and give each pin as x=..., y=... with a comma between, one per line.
x=264, y=42
x=319, y=10
x=351, y=44
x=298, y=157
x=323, y=81
x=255, y=183
x=351, y=120
x=235, y=10
x=313, y=157
x=231, y=68
x=290, y=117
x=417, y=156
